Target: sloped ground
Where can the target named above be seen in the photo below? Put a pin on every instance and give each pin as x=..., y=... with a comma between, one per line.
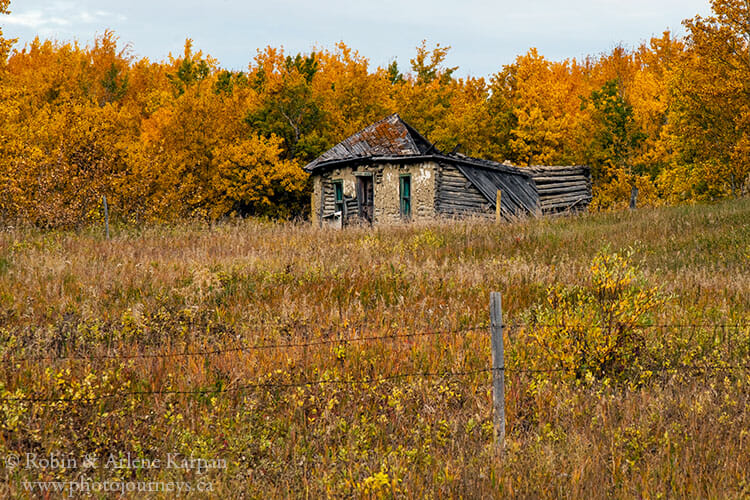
x=161, y=341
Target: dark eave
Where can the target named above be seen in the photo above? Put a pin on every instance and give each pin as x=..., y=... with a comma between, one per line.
x=454, y=159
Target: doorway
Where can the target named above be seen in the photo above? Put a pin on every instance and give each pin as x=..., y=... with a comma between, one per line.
x=365, y=197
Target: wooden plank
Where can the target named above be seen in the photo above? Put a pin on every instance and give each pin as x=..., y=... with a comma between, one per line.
x=466, y=213
x=452, y=191
x=567, y=197
x=498, y=205
x=562, y=199
x=564, y=204
x=557, y=185
x=464, y=203
x=561, y=178
x=535, y=170
x=461, y=204
x=566, y=194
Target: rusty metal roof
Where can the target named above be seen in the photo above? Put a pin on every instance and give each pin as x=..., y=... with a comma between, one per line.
x=391, y=136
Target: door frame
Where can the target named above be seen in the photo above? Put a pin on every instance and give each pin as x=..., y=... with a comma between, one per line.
x=365, y=181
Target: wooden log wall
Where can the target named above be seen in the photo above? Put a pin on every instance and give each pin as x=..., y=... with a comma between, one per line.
x=329, y=197
x=562, y=188
x=351, y=209
x=455, y=195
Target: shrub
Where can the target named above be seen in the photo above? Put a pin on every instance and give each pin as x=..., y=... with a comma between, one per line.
x=598, y=328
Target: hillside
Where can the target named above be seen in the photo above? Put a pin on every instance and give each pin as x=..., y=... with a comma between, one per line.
x=303, y=362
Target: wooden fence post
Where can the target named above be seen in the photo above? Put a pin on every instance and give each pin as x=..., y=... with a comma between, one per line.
x=633, y=198
x=106, y=215
x=498, y=204
x=498, y=368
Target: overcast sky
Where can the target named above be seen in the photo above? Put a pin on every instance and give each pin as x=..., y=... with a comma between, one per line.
x=484, y=35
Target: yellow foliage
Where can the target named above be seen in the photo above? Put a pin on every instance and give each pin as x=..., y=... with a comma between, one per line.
x=183, y=137
x=597, y=329
x=250, y=176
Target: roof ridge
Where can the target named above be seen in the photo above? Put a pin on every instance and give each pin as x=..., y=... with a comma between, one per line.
x=412, y=132
x=390, y=135
x=408, y=129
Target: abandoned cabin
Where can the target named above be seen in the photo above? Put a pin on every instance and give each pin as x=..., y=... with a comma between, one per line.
x=388, y=172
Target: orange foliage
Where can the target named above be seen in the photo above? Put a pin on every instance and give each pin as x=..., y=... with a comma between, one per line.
x=184, y=137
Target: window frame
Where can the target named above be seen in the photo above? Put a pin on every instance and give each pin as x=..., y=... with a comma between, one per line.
x=338, y=189
x=404, y=200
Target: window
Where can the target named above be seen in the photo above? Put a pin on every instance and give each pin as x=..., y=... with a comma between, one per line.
x=338, y=194
x=405, y=195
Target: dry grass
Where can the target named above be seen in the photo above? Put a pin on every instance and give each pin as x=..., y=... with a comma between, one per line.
x=238, y=284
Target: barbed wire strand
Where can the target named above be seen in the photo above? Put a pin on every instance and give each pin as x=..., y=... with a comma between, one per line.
x=340, y=340
x=635, y=327
x=290, y=345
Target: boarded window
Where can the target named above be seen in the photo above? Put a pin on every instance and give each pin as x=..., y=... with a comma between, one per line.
x=405, y=195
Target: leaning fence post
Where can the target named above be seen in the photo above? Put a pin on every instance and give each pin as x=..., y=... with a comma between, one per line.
x=498, y=368
x=106, y=215
x=498, y=205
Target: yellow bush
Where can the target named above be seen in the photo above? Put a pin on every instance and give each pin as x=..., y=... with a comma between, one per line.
x=596, y=329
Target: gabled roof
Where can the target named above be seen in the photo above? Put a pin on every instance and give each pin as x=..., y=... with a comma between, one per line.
x=388, y=137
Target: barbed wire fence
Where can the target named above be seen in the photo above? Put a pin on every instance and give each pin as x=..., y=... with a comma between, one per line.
x=496, y=367
x=346, y=340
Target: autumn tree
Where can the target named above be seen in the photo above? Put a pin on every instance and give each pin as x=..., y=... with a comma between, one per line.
x=428, y=64
x=251, y=178
x=5, y=43
x=545, y=102
x=615, y=143
x=111, y=67
x=652, y=100
x=352, y=95
x=711, y=114
x=424, y=97
x=288, y=106
x=190, y=69
x=501, y=111
x=394, y=73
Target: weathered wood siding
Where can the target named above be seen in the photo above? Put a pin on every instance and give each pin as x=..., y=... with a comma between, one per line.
x=329, y=196
x=448, y=189
x=562, y=188
x=519, y=195
x=456, y=196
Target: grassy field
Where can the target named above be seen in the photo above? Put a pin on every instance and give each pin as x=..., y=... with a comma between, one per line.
x=150, y=344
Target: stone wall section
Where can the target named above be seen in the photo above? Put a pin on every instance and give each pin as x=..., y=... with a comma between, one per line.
x=386, y=195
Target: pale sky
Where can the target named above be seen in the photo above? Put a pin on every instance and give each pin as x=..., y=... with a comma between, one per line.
x=484, y=35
